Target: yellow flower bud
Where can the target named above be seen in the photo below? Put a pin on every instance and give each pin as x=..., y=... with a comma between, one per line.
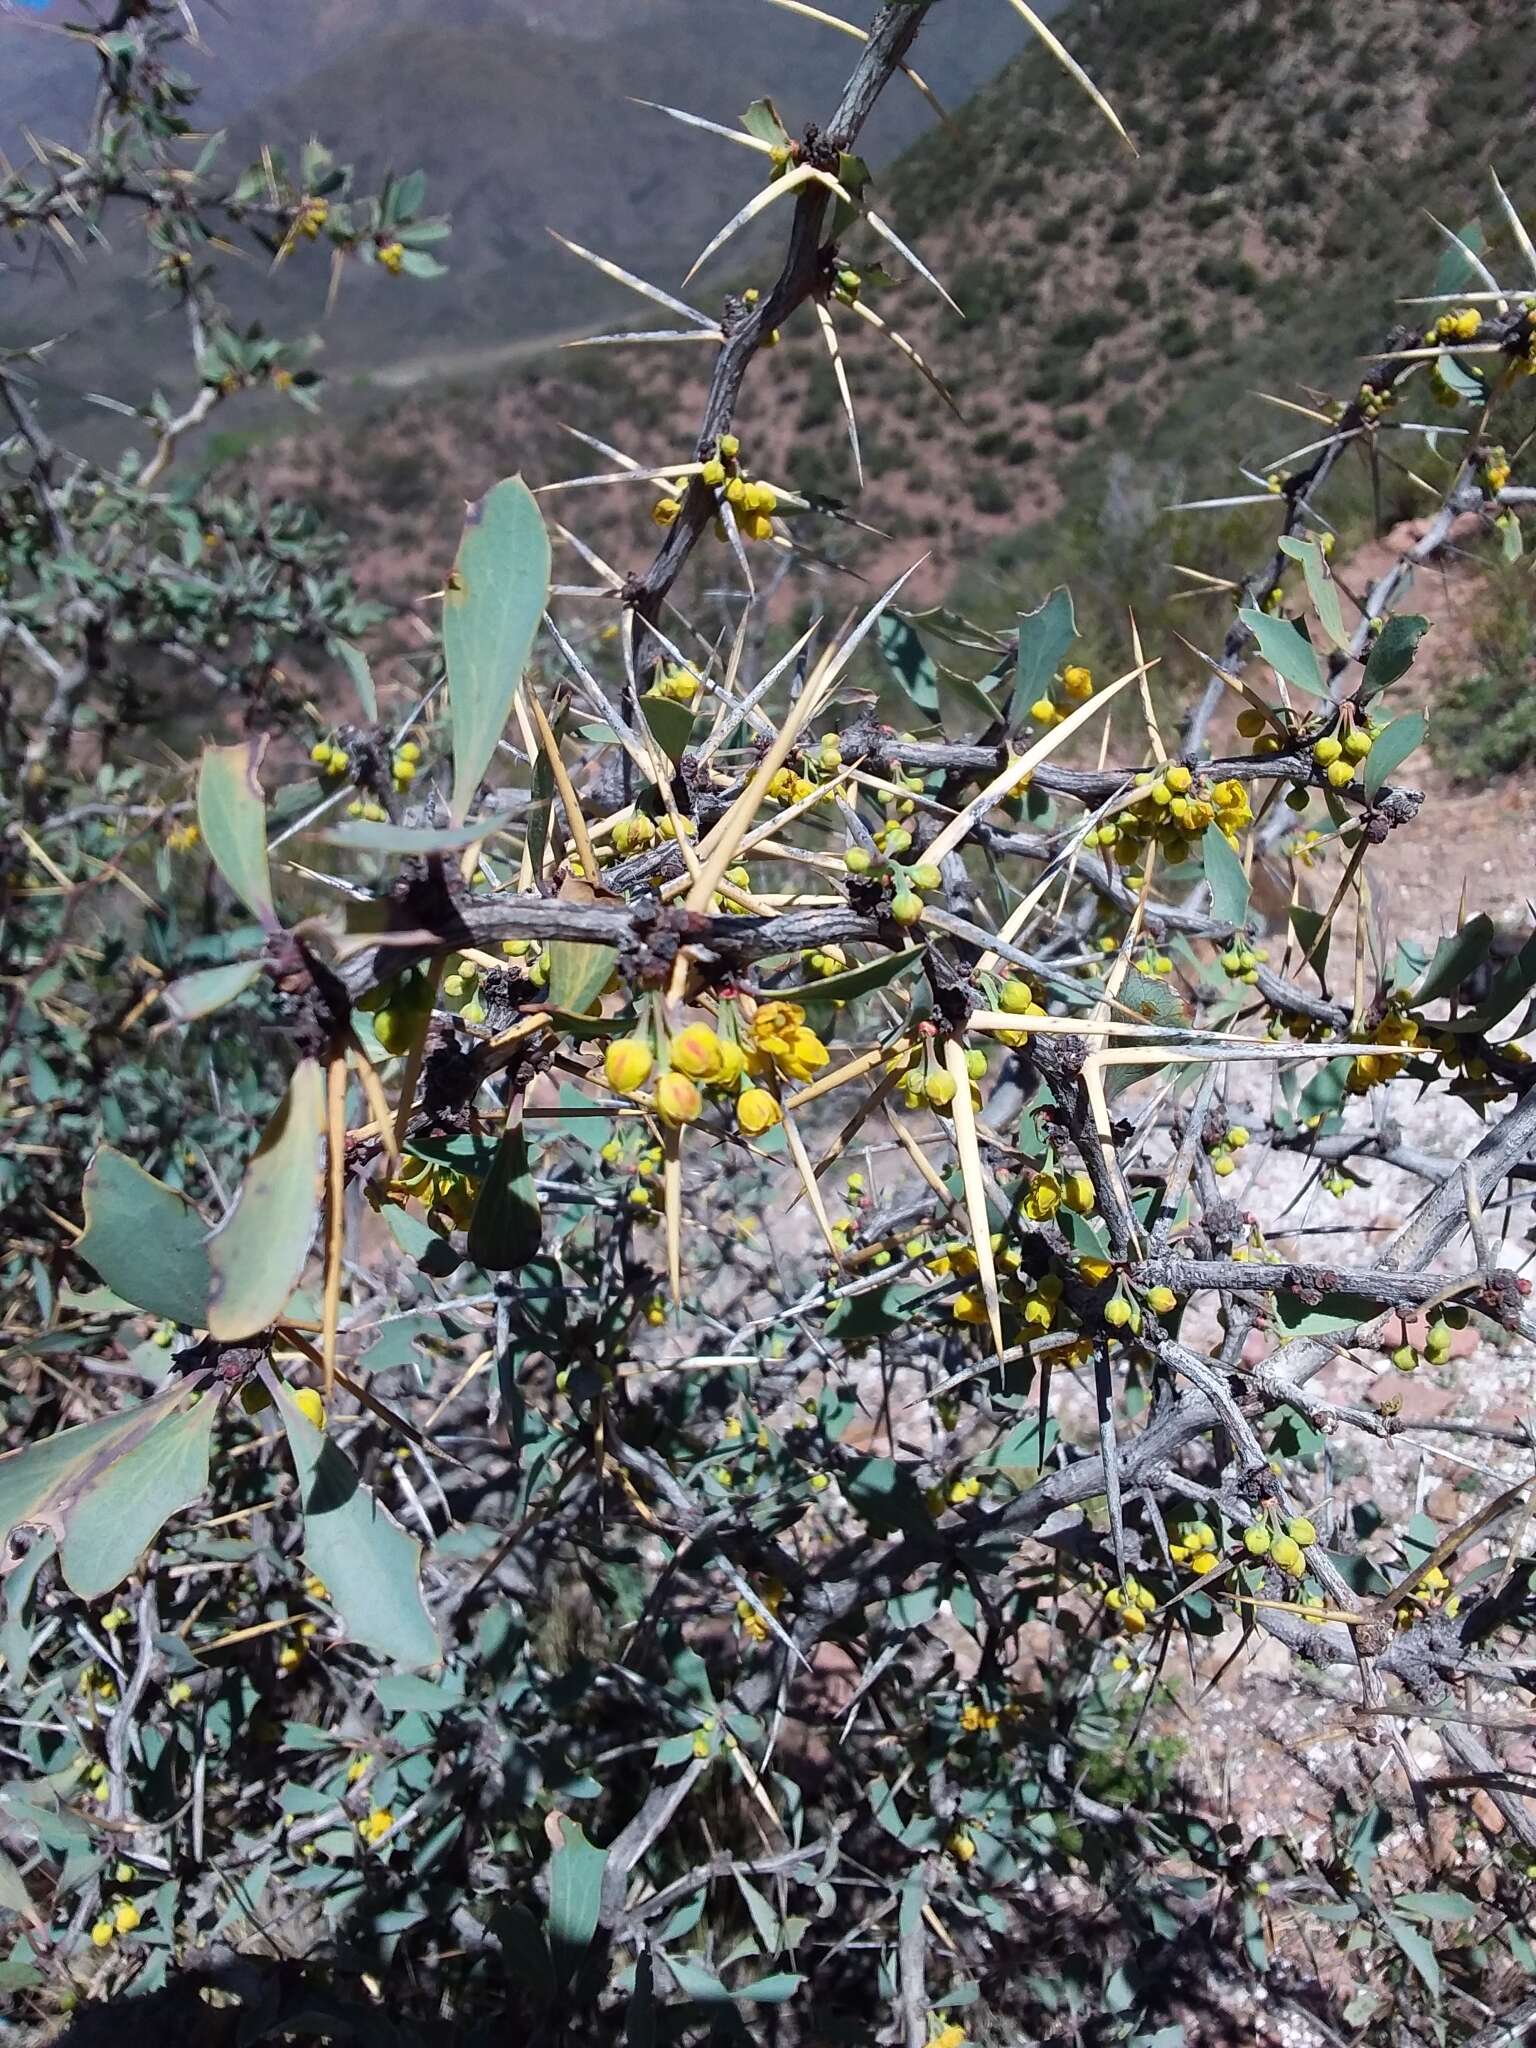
x=627, y=1065
x=698, y=1053
x=310, y=1406
x=757, y=1111
x=677, y=1099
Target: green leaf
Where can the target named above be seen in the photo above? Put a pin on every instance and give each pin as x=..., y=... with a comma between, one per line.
x=1456, y=272
x=853, y=981
x=1320, y=587
x=506, y=1227
x=1044, y=637
x=370, y=1566
x=763, y=121
x=257, y=1256
x=1391, y=654
x=199, y=995
x=671, y=724
x=909, y=662
x=777, y=1989
x=575, y=1893
x=1392, y=748
x=1287, y=650
x=355, y=662
x=887, y=1497
x=1418, y=1949
x=1307, y=923
x=1329, y=1312
x=577, y=974
x=362, y=835
x=145, y=1240
x=1224, y=875
x=1448, y=1907
x=1513, y=538
x=123, y=1509
x=41, y=1482
x=232, y=817
x=491, y=611
x=1516, y=978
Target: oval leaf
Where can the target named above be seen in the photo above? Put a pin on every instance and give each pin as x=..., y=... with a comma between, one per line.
x=1392, y=654
x=506, y=1227
x=41, y=1482
x=146, y=1241
x=491, y=611
x=362, y=835
x=371, y=1567
x=258, y=1255
x=1393, y=747
x=909, y=662
x=123, y=1508
x=1044, y=637
x=575, y=1892
x=199, y=995
x=1287, y=650
x=232, y=817
x=1224, y=875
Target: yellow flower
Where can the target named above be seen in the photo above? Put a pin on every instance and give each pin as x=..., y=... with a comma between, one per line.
x=950, y=2035
x=310, y=1406
x=757, y=1111
x=1077, y=682
x=969, y=1307
x=126, y=1917
x=1044, y=1198
x=392, y=256
x=102, y=1933
x=780, y=1033
x=678, y=1100
x=1077, y=1193
x=698, y=1053
x=627, y=1065
x=377, y=1824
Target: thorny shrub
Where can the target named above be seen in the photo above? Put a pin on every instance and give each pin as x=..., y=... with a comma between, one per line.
x=682, y=1304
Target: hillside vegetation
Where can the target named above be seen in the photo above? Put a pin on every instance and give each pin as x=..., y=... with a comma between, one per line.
x=1121, y=312
x=523, y=117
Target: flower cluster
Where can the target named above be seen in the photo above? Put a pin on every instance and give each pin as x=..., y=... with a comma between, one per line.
x=1076, y=685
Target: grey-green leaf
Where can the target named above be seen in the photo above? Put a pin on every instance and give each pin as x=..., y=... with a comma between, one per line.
x=363, y=835
x=575, y=1893
x=1287, y=650
x=909, y=662
x=145, y=1240
x=671, y=724
x=1392, y=748
x=1044, y=637
x=1320, y=587
x=506, y=1227
x=209, y=989
x=1455, y=958
x=356, y=664
x=257, y=1257
x=371, y=1567
x=491, y=611
x=1392, y=654
x=232, y=817
x=122, y=1510
x=1225, y=878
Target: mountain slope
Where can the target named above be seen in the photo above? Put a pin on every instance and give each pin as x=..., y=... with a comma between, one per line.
x=1122, y=310
x=521, y=111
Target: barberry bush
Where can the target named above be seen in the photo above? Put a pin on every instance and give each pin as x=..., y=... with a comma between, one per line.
x=663, y=1325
